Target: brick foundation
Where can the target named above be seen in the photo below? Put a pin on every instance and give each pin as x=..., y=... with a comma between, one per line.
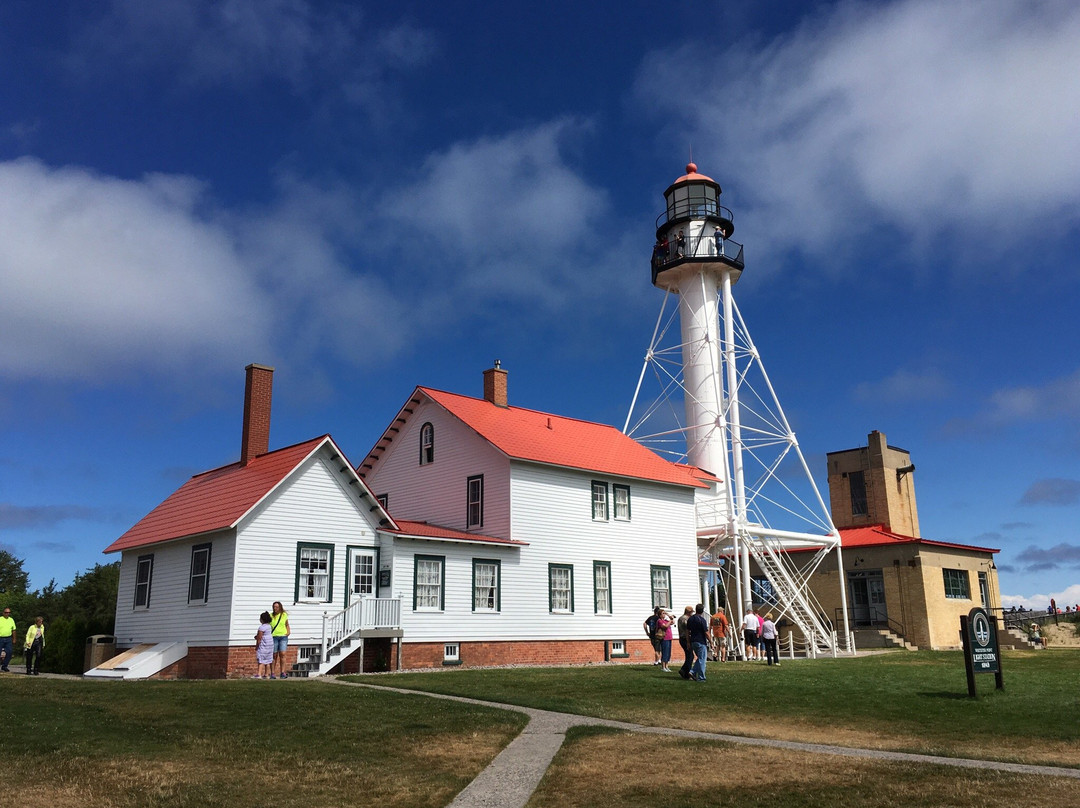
x=221, y=662
x=540, y=652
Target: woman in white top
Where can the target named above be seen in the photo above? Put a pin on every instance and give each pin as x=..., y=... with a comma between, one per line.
x=768, y=633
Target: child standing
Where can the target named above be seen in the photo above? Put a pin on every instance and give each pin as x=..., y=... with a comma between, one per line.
x=264, y=647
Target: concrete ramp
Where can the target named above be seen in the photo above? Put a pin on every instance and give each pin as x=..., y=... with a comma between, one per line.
x=140, y=662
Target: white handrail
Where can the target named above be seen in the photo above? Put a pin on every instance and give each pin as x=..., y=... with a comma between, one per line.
x=364, y=614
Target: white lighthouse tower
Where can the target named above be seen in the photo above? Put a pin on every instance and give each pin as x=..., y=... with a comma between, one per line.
x=734, y=427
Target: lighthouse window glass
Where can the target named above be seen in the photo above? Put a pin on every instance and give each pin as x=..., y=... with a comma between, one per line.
x=427, y=444
x=857, y=483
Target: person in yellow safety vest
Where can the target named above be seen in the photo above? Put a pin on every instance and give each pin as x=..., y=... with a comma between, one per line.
x=279, y=624
x=34, y=646
x=7, y=639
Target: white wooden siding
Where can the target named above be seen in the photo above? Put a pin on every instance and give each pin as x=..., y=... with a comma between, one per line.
x=552, y=510
x=436, y=492
x=318, y=506
x=170, y=618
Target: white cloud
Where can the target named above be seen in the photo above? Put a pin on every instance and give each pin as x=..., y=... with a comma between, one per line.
x=100, y=273
x=504, y=215
x=927, y=117
x=1058, y=398
x=905, y=386
x=1069, y=595
x=103, y=277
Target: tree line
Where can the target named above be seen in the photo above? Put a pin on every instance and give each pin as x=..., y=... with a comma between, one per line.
x=85, y=607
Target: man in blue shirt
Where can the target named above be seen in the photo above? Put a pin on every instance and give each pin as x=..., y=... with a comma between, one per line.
x=698, y=627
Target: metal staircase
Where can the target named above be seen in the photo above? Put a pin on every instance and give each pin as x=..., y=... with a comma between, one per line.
x=794, y=598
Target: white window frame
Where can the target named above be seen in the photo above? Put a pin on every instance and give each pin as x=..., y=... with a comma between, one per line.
x=620, y=510
x=602, y=591
x=427, y=444
x=429, y=583
x=143, y=583
x=560, y=589
x=314, y=573
x=200, y=550
x=599, y=501
x=487, y=594
x=474, y=501
x=451, y=653
x=660, y=587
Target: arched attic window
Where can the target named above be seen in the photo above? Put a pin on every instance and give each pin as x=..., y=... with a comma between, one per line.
x=427, y=444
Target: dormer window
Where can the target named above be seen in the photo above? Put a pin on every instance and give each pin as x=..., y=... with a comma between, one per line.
x=427, y=444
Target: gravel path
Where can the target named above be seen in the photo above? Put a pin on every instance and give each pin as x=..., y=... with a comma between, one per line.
x=510, y=779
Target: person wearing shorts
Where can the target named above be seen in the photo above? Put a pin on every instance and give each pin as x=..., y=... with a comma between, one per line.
x=719, y=624
x=751, y=627
x=279, y=625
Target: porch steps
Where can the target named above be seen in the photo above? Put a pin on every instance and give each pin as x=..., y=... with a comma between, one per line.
x=1016, y=638
x=881, y=638
x=311, y=668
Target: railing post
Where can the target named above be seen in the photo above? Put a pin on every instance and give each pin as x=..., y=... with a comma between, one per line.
x=834, y=641
x=322, y=649
x=791, y=645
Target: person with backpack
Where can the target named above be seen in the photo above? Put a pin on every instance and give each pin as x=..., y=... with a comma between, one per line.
x=650, y=631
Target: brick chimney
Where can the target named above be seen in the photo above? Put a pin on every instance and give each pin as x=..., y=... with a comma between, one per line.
x=495, y=385
x=258, y=389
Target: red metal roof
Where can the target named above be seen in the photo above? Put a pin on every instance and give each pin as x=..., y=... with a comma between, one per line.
x=559, y=441
x=693, y=175
x=217, y=499
x=425, y=530
x=877, y=535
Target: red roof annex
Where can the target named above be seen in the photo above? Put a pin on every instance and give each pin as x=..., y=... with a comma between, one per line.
x=877, y=536
x=559, y=441
x=407, y=528
x=216, y=499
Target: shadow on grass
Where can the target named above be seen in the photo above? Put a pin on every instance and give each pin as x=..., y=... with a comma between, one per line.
x=945, y=694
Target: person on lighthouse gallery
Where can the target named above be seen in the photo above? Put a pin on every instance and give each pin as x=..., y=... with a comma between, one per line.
x=718, y=235
x=680, y=245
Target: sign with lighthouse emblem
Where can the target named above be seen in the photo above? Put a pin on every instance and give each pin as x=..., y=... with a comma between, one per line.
x=978, y=631
x=983, y=645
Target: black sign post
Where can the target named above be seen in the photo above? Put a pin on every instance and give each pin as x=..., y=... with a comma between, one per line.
x=981, y=653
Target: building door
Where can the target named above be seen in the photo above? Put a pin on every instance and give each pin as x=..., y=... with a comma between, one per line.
x=361, y=581
x=867, y=592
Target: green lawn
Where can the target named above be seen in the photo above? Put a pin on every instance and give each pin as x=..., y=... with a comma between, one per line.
x=914, y=702
x=238, y=744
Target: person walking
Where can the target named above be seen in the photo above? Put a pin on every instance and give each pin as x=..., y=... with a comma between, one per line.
x=684, y=642
x=34, y=646
x=768, y=634
x=280, y=631
x=698, y=626
x=7, y=639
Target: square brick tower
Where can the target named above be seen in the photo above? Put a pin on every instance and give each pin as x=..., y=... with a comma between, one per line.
x=873, y=485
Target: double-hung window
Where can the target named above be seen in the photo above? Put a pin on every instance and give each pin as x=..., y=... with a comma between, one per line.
x=602, y=587
x=144, y=573
x=561, y=588
x=429, y=583
x=475, y=501
x=620, y=495
x=599, y=501
x=314, y=571
x=485, y=585
x=661, y=586
x=956, y=584
x=199, y=580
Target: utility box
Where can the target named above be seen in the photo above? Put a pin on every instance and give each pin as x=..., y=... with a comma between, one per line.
x=99, y=648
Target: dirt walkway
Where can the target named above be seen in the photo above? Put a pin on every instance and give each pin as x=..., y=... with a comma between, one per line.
x=510, y=779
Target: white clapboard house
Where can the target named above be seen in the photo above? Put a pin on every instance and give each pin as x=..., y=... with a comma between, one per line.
x=517, y=537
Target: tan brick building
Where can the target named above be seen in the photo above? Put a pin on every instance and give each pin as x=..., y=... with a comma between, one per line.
x=894, y=578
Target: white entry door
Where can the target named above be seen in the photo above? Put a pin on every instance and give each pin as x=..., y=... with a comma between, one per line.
x=361, y=573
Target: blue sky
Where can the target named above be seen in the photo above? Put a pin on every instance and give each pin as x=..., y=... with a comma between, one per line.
x=374, y=196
